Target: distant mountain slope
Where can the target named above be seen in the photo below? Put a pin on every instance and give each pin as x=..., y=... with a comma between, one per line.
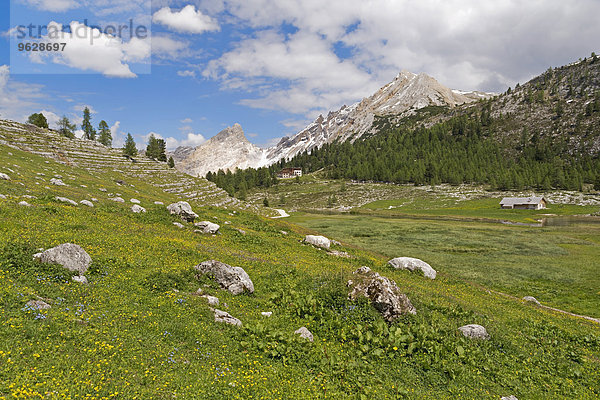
x=407, y=93
x=95, y=157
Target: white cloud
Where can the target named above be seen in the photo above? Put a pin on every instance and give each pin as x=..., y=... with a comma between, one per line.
x=187, y=73
x=89, y=49
x=187, y=20
x=187, y=121
x=190, y=139
x=51, y=117
x=18, y=100
x=342, y=50
x=81, y=107
x=53, y=5
x=118, y=137
x=165, y=46
x=309, y=76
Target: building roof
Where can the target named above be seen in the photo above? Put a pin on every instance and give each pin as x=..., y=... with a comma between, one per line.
x=511, y=201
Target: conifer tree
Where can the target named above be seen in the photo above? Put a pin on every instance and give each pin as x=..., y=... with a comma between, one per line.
x=89, y=132
x=129, y=148
x=105, y=136
x=66, y=128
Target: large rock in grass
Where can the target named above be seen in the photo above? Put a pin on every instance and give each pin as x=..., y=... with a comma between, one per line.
x=37, y=305
x=57, y=182
x=319, y=241
x=383, y=293
x=413, y=264
x=87, y=203
x=305, y=334
x=4, y=177
x=66, y=201
x=70, y=256
x=183, y=209
x=207, y=227
x=234, y=279
x=225, y=317
x=531, y=299
x=474, y=331
x=138, y=209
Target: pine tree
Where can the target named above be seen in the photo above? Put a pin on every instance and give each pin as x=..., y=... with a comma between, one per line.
x=39, y=120
x=266, y=202
x=66, y=128
x=105, y=136
x=156, y=148
x=129, y=149
x=89, y=132
x=172, y=164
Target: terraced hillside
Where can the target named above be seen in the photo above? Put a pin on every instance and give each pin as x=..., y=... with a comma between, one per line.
x=97, y=158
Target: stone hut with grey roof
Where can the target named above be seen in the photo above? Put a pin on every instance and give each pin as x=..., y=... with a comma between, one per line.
x=524, y=203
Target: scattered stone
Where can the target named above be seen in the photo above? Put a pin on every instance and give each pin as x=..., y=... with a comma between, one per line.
x=83, y=186
x=3, y=197
x=283, y=232
x=413, y=264
x=341, y=254
x=243, y=232
x=183, y=209
x=38, y=305
x=227, y=223
x=234, y=279
x=102, y=190
x=135, y=201
x=95, y=200
x=87, y=203
x=4, y=177
x=474, y=331
x=58, y=176
x=531, y=299
x=117, y=199
x=80, y=279
x=66, y=201
x=266, y=313
x=383, y=293
x=212, y=300
x=179, y=225
x=319, y=241
x=24, y=204
x=159, y=203
x=335, y=242
x=138, y=209
x=225, y=317
x=305, y=334
x=207, y=227
x=27, y=196
x=70, y=256
x=511, y=397
x=199, y=291
x=57, y=182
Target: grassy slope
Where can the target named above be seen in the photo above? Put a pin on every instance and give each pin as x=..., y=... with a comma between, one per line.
x=129, y=335
x=557, y=265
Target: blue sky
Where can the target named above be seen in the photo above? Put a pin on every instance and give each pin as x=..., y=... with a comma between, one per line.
x=271, y=66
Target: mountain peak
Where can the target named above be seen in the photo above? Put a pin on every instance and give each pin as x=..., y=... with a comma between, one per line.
x=231, y=133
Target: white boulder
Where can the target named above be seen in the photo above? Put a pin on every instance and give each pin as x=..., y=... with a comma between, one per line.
x=135, y=201
x=234, y=279
x=305, y=334
x=225, y=317
x=183, y=209
x=4, y=177
x=319, y=241
x=138, y=209
x=66, y=201
x=474, y=331
x=70, y=256
x=80, y=279
x=207, y=227
x=413, y=264
x=87, y=203
x=57, y=182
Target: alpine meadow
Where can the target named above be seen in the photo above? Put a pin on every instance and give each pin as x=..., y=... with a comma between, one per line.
x=369, y=234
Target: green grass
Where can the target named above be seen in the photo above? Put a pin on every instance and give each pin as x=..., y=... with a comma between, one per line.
x=129, y=334
x=557, y=265
x=486, y=208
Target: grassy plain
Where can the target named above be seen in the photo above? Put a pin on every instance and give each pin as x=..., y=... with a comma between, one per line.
x=139, y=330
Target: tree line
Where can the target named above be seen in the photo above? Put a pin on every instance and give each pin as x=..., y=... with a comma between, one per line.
x=463, y=149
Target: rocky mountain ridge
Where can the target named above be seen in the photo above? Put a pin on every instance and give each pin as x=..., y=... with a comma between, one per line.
x=407, y=93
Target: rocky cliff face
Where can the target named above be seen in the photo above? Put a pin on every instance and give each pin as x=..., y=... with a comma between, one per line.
x=406, y=93
x=229, y=149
